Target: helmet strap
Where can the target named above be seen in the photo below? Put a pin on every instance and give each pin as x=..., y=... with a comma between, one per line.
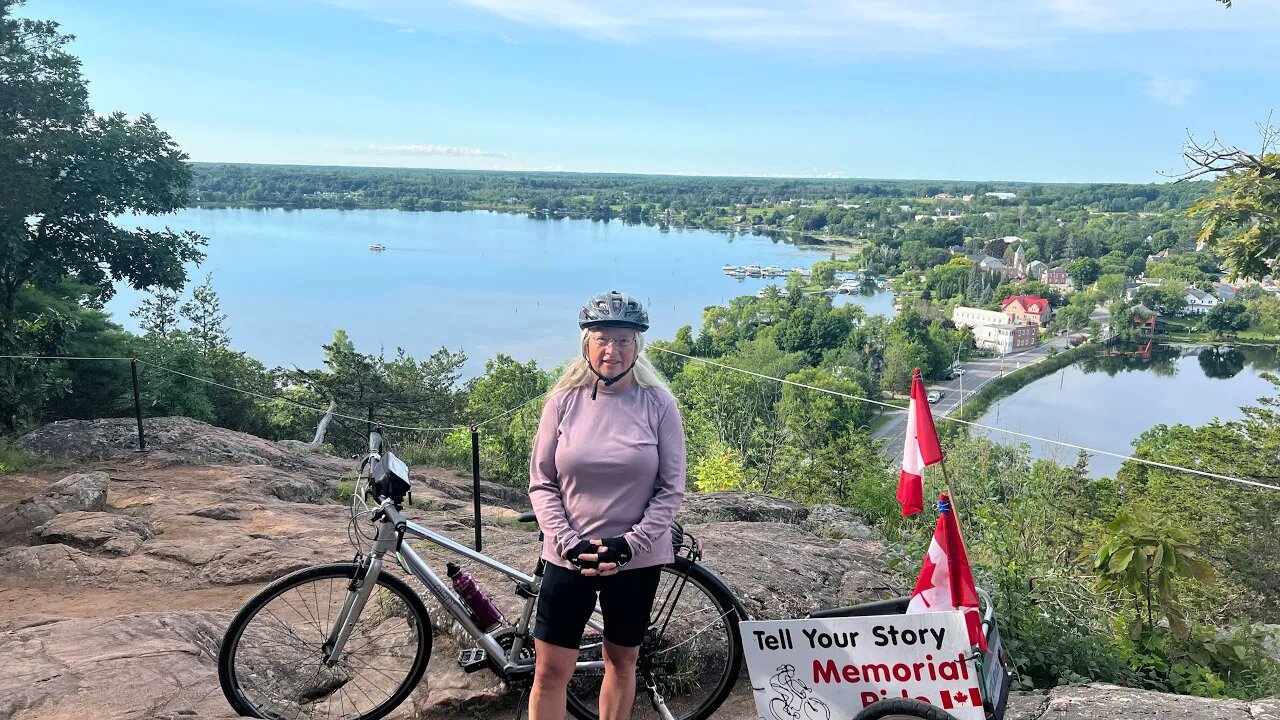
x=608, y=381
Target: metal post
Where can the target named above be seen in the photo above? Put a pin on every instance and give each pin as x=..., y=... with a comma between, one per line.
x=475, y=480
x=137, y=403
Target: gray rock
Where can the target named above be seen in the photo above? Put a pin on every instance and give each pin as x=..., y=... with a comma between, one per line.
x=83, y=491
x=56, y=562
x=108, y=532
x=782, y=571
x=151, y=665
x=740, y=506
x=219, y=512
x=835, y=522
x=1108, y=702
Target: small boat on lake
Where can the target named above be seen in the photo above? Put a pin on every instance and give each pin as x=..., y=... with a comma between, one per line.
x=377, y=247
x=753, y=270
x=773, y=271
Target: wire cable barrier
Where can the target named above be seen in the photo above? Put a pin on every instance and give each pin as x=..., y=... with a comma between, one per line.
x=895, y=408
x=1144, y=461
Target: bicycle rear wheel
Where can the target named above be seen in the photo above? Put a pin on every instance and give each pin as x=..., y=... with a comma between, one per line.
x=692, y=649
x=903, y=709
x=271, y=664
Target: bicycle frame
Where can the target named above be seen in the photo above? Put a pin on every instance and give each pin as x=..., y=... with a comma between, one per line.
x=392, y=531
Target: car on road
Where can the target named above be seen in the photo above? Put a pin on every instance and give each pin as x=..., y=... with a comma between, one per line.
x=934, y=396
x=957, y=370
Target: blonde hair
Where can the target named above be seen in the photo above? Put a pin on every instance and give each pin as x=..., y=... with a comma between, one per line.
x=579, y=372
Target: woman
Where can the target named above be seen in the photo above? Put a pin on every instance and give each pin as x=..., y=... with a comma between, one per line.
x=605, y=480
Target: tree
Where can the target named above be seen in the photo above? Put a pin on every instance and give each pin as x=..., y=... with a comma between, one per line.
x=1227, y=317
x=157, y=315
x=68, y=175
x=1084, y=271
x=1241, y=217
x=1111, y=286
x=204, y=312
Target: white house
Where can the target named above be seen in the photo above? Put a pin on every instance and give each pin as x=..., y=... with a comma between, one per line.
x=972, y=317
x=1199, y=302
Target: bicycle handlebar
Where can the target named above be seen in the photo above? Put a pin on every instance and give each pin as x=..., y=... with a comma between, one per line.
x=394, y=515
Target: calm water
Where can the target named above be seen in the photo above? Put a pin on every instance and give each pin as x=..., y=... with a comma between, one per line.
x=1107, y=402
x=482, y=282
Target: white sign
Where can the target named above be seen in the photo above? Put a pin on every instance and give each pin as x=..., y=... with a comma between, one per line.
x=832, y=668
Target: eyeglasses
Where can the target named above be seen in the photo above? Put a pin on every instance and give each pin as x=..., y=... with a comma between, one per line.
x=617, y=343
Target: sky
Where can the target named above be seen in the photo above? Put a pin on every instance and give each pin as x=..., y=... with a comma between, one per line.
x=1027, y=90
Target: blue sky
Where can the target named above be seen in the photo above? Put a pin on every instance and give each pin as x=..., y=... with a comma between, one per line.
x=1045, y=90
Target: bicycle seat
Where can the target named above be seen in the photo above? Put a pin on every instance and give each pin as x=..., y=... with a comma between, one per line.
x=527, y=517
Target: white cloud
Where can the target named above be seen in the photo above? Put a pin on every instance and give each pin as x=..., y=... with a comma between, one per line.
x=1171, y=90
x=859, y=26
x=432, y=150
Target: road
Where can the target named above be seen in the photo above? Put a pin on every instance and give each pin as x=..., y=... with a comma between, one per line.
x=976, y=374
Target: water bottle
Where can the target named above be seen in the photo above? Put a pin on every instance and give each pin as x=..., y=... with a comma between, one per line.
x=483, y=611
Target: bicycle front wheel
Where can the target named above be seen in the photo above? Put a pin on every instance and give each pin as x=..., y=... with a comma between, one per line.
x=272, y=660
x=691, y=650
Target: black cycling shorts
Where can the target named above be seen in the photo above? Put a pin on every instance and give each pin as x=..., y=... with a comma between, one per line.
x=568, y=597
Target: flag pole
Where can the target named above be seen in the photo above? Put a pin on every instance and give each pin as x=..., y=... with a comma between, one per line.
x=946, y=481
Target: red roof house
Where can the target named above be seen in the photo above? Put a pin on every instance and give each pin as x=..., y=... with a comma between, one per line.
x=1026, y=308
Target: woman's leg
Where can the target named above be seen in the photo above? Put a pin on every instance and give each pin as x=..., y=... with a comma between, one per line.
x=565, y=602
x=626, y=600
x=551, y=675
x=618, y=691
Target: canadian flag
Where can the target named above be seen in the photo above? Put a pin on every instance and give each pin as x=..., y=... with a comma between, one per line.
x=946, y=582
x=921, y=449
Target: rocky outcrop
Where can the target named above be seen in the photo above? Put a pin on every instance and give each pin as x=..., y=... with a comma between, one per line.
x=1108, y=702
x=112, y=534
x=82, y=491
x=114, y=595
x=739, y=505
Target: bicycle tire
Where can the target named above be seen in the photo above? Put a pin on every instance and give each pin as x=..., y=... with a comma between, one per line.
x=295, y=648
x=722, y=647
x=903, y=709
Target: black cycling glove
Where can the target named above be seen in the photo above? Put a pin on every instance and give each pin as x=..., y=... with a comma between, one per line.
x=583, y=547
x=619, y=551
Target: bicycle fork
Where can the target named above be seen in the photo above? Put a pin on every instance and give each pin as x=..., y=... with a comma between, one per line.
x=358, y=592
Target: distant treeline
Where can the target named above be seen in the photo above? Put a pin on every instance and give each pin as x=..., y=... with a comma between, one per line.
x=609, y=194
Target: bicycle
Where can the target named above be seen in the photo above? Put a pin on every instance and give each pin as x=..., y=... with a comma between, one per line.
x=350, y=640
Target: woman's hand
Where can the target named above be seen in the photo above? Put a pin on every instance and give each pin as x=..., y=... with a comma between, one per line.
x=609, y=557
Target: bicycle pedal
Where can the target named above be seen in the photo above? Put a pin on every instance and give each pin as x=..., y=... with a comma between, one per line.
x=473, y=659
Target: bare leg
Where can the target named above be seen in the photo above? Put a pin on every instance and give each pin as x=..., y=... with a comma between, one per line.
x=618, y=691
x=551, y=673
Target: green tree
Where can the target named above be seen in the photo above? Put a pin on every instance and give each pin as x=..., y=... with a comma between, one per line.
x=1111, y=286
x=69, y=174
x=1227, y=318
x=1241, y=217
x=208, y=323
x=1084, y=271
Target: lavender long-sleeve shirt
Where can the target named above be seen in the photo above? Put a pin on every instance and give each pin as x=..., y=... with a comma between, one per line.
x=608, y=467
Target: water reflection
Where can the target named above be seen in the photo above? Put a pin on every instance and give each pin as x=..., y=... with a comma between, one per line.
x=1106, y=401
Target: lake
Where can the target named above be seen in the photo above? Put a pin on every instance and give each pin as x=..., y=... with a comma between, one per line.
x=483, y=282
x=1106, y=402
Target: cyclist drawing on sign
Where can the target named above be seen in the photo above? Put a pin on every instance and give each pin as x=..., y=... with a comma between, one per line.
x=793, y=701
x=606, y=478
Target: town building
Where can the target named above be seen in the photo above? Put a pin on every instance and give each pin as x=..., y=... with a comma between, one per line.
x=992, y=329
x=1056, y=277
x=970, y=316
x=1005, y=338
x=1199, y=302
x=1031, y=309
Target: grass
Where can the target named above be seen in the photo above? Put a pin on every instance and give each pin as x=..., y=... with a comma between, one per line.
x=1183, y=330
x=14, y=460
